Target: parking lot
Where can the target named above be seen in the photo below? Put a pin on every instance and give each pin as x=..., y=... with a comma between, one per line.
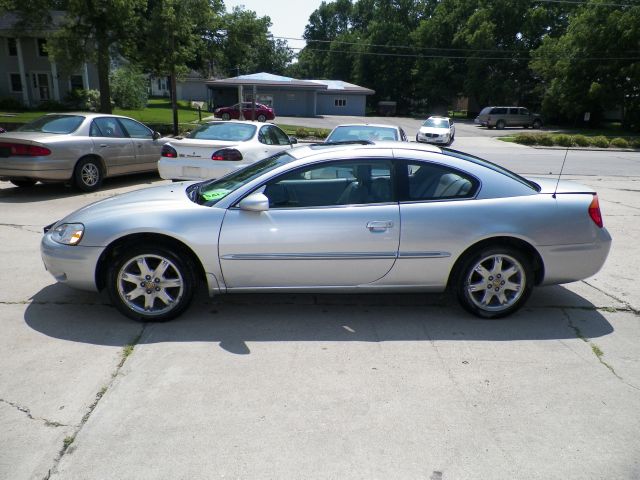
x=405, y=386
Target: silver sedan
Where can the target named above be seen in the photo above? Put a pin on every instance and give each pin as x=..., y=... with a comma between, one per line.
x=79, y=148
x=385, y=217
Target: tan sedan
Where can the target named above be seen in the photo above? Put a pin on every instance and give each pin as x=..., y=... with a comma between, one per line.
x=78, y=148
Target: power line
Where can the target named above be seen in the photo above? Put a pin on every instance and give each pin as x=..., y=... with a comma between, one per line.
x=455, y=57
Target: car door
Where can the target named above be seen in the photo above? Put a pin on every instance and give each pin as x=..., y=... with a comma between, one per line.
x=513, y=118
x=525, y=117
x=330, y=225
x=113, y=144
x=147, y=148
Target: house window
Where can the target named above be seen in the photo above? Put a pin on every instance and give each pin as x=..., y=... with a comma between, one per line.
x=76, y=82
x=340, y=102
x=42, y=47
x=13, y=47
x=159, y=84
x=16, y=82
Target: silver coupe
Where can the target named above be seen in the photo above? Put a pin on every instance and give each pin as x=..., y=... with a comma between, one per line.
x=78, y=148
x=366, y=217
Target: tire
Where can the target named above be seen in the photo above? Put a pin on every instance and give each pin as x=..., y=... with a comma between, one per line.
x=88, y=174
x=500, y=124
x=226, y=116
x=162, y=281
x=417, y=139
x=262, y=118
x=537, y=124
x=490, y=267
x=23, y=183
x=490, y=127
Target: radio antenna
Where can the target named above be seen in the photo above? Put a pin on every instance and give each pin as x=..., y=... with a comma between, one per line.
x=555, y=190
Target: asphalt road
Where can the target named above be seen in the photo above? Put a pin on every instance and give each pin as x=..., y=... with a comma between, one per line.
x=323, y=386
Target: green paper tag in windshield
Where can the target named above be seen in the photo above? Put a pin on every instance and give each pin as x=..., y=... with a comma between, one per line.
x=216, y=194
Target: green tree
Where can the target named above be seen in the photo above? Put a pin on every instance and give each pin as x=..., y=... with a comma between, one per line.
x=594, y=66
x=129, y=88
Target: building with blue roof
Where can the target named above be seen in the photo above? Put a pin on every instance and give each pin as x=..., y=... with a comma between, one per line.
x=289, y=96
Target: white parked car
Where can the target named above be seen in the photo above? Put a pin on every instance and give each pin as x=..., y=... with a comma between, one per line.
x=440, y=130
x=366, y=131
x=216, y=148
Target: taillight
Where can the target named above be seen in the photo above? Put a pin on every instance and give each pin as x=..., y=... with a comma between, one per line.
x=230, y=154
x=24, y=150
x=168, y=151
x=594, y=211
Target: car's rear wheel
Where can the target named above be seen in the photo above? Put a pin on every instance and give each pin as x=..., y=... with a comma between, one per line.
x=500, y=124
x=262, y=118
x=494, y=282
x=226, y=116
x=88, y=174
x=26, y=182
x=151, y=284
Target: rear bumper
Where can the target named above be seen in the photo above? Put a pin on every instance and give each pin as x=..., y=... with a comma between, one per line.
x=171, y=169
x=36, y=168
x=570, y=263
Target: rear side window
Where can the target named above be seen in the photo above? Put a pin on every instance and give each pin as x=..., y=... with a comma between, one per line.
x=429, y=181
x=53, y=124
x=513, y=111
x=499, y=111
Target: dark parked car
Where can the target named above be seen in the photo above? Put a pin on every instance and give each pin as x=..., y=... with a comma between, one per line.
x=263, y=113
x=501, y=117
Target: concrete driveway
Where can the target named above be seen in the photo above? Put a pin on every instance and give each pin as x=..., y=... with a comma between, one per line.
x=322, y=386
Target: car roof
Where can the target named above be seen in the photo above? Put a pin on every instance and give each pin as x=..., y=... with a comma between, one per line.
x=383, y=125
x=303, y=151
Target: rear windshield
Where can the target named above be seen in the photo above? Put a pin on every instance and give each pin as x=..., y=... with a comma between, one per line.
x=492, y=166
x=232, y=131
x=362, y=132
x=53, y=124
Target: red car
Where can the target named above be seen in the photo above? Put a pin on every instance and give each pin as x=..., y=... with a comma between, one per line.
x=263, y=113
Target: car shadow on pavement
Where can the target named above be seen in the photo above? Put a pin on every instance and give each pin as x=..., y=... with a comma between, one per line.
x=234, y=321
x=49, y=191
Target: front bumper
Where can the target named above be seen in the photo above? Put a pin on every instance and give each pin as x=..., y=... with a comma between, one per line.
x=440, y=139
x=72, y=265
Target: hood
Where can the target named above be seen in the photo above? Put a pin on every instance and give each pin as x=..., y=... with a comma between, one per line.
x=149, y=199
x=436, y=130
x=551, y=185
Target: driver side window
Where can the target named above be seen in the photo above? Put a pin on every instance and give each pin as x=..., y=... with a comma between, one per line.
x=331, y=184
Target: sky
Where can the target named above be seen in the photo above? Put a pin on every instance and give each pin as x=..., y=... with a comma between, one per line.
x=289, y=17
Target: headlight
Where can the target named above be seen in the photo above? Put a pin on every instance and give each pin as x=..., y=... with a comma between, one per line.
x=68, y=233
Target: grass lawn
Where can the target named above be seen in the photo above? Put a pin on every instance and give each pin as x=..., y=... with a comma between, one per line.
x=158, y=111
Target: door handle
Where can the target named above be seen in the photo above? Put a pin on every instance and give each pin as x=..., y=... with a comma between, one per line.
x=379, y=225
x=104, y=145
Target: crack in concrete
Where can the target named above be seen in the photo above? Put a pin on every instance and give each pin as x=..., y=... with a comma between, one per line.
x=27, y=412
x=23, y=227
x=628, y=307
x=595, y=349
x=126, y=352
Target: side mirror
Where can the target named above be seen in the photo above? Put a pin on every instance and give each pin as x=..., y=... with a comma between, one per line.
x=256, y=202
x=293, y=140
x=156, y=135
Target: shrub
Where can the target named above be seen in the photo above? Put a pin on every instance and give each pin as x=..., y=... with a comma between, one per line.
x=129, y=88
x=600, y=141
x=544, y=139
x=563, y=140
x=10, y=103
x=526, y=139
x=52, y=106
x=80, y=99
x=619, y=143
x=581, y=140
x=635, y=142
x=302, y=132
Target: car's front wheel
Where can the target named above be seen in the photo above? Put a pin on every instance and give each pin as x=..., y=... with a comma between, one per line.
x=494, y=282
x=537, y=124
x=88, y=174
x=151, y=284
x=226, y=116
x=262, y=118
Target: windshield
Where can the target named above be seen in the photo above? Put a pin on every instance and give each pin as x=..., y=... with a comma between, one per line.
x=53, y=124
x=436, y=123
x=362, y=132
x=213, y=191
x=235, y=132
